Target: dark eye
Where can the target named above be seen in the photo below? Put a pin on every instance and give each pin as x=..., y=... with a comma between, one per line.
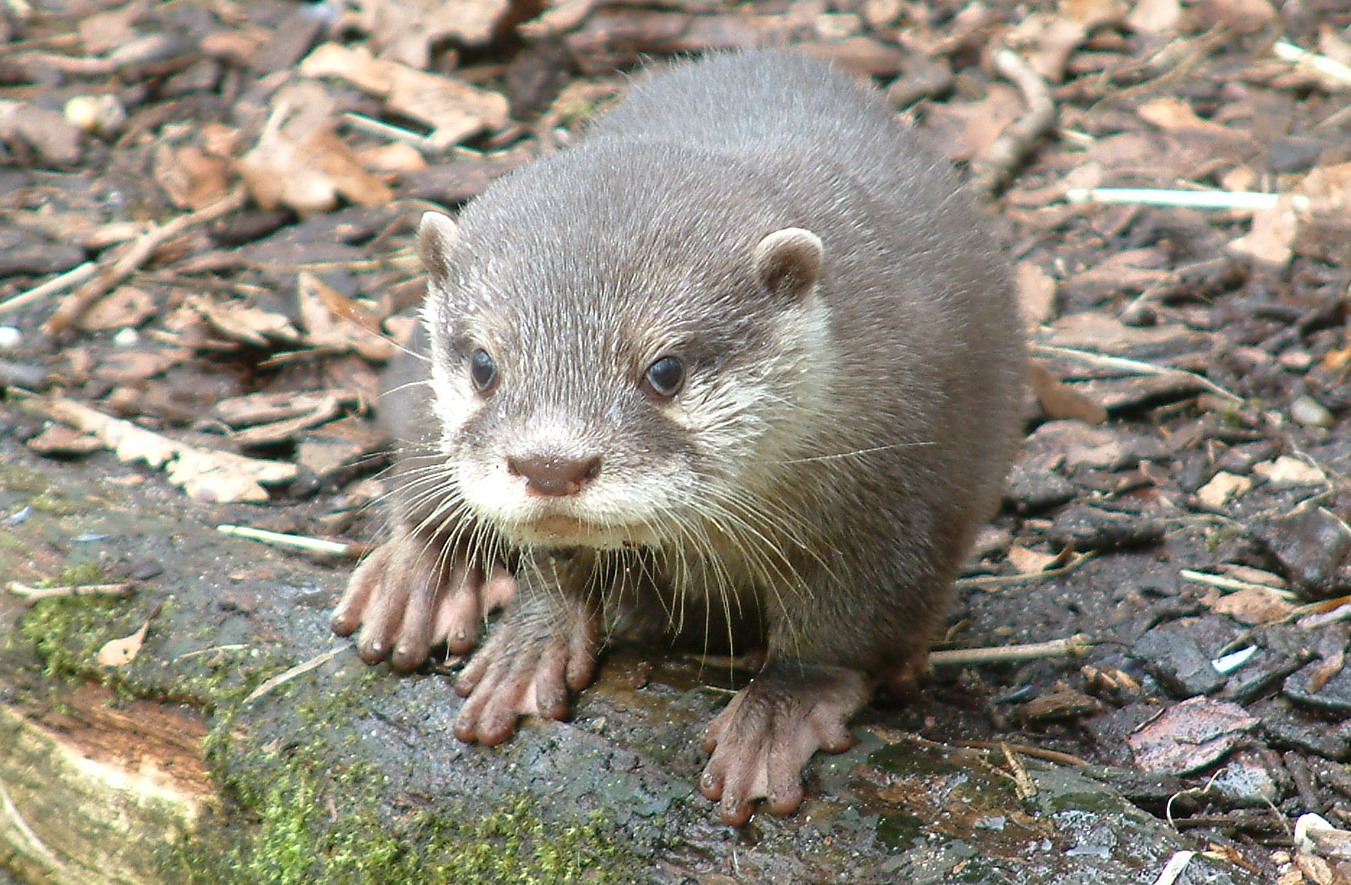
x=665, y=377
x=482, y=371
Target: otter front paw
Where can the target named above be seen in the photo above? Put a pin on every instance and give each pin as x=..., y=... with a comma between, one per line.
x=542, y=650
x=765, y=736
x=412, y=593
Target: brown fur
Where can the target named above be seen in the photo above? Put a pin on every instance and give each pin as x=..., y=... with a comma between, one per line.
x=854, y=370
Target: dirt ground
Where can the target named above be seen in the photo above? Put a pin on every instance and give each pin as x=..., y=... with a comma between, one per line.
x=205, y=219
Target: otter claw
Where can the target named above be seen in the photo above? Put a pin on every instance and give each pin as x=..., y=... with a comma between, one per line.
x=760, y=743
x=410, y=595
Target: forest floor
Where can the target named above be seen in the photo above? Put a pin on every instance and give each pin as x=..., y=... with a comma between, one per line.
x=207, y=207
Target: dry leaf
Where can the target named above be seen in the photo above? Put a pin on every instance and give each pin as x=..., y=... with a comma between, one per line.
x=300, y=162
x=1059, y=400
x=1288, y=470
x=1190, y=736
x=124, y=307
x=328, y=408
x=1036, y=293
x=1255, y=605
x=1243, y=16
x=191, y=177
x=58, y=439
x=1272, y=237
x=119, y=652
x=453, y=109
x=210, y=476
x=1155, y=16
x=266, y=408
x=1173, y=113
x=1222, y=488
x=406, y=29
x=1029, y=562
x=242, y=322
x=335, y=321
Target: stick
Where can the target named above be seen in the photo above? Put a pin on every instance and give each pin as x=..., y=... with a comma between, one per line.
x=990, y=171
x=1134, y=367
x=131, y=260
x=1322, y=65
x=293, y=672
x=1152, y=196
x=300, y=542
x=73, y=277
x=1003, y=654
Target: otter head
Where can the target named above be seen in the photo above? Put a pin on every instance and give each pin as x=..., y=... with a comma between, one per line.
x=605, y=391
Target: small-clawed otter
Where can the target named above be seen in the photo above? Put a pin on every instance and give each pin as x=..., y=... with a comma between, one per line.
x=743, y=364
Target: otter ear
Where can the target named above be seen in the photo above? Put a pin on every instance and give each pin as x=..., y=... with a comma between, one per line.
x=788, y=262
x=436, y=238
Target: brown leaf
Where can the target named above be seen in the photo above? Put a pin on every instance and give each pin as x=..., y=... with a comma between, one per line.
x=124, y=307
x=1155, y=16
x=336, y=322
x=1028, y=561
x=1222, y=488
x=1059, y=400
x=120, y=652
x=192, y=178
x=265, y=408
x=1243, y=16
x=1190, y=736
x=1171, y=113
x=58, y=439
x=1272, y=237
x=454, y=109
x=208, y=476
x=243, y=322
x=1255, y=605
x=1036, y=293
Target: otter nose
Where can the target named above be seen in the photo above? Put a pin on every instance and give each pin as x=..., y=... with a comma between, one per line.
x=553, y=475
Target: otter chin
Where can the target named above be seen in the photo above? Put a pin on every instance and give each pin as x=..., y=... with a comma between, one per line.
x=571, y=531
x=743, y=366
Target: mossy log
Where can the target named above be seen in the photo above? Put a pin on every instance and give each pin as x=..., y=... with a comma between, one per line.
x=244, y=744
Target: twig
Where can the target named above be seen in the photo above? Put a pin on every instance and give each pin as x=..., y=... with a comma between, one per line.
x=215, y=649
x=1025, y=750
x=1226, y=583
x=1020, y=580
x=1328, y=68
x=293, y=672
x=73, y=277
x=299, y=542
x=1133, y=367
x=1205, y=199
x=1017, y=141
x=1173, y=869
x=1003, y=654
x=132, y=258
x=123, y=590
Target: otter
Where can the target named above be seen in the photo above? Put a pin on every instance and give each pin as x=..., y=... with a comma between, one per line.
x=744, y=364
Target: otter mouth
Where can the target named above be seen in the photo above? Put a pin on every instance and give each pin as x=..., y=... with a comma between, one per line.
x=569, y=531
x=564, y=527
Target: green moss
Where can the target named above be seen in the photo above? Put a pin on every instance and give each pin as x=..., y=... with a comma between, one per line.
x=57, y=504
x=298, y=838
x=14, y=478
x=79, y=574
x=68, y=633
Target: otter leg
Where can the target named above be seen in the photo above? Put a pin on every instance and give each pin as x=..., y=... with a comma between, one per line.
x=416, y=591
x=543, y=648
x=763, y=738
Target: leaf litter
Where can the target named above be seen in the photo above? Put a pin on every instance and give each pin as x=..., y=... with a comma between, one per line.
x=205, y=216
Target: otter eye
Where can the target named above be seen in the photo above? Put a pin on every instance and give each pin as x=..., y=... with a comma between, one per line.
x=665, y=377
x=482, y=371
